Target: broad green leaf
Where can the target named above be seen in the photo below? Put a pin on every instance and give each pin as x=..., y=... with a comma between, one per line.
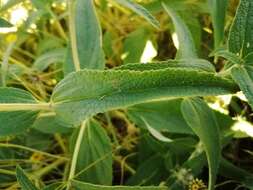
x=229, y=170
x=87, y=186
x=241, y=33
x=244, y=80
x=134, y=45
x=197, y=64
x=50, y=124
x=94, y=164
x=140, y=10
x=4, y=23
x=88, y=92
x=17, y=121
x=48, y=58
x=163, y=116
x=23, y=180
x=218, y=13
x=186, y=44
x=203, y=122
x=87, y=37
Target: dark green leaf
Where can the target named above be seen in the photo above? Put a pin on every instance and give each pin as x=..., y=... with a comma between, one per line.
x=218, y=13
x=23, y=180
x=203, y=122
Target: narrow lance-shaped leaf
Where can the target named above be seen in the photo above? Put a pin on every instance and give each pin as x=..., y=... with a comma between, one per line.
x=94, y=163
x=218, y=13
x=23, y=180
x=140, y=10
x=203, y=122
x=88, y=92
x=244, y=80
x=187, y=47
x=87, y=186
x=241, y=33
x=17, y=121
x=86, y=38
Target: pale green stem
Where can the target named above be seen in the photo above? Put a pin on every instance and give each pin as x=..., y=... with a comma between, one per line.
x=32, y=150
x=72, y=30
x=75, y=153
x=24, y=106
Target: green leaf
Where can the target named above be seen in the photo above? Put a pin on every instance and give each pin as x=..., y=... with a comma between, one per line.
x=245, y=81
x=23, y=180
x=50, y=124
x=163, y=116
x=140, y=10
x=203, y=122
x=229, y=170
x=87, y=186
x=48, y=58
x=88, y=92
x=94, y=163
x=241, y=33
x=218, y=13
x=197, y=64
x=17, y=121
x=134, y=45
x=231, y=57
x=150, y=171
x=4, y=23
x=87, y=37
x=187, y=47
x=156, y=134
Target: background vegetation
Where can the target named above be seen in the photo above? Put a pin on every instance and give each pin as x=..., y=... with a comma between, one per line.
x=149, y=144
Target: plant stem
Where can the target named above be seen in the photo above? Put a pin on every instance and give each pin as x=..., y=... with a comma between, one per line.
x=76, y=152
x=24, y=106
x=32, y=150
x=72, y=31
x=6, y=62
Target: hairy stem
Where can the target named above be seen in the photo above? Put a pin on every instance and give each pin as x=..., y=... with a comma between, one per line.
x=72, y=30
x=24, y=106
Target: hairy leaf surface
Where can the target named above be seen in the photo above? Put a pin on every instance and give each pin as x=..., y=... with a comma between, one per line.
x=88, y=92
x=241, y=33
